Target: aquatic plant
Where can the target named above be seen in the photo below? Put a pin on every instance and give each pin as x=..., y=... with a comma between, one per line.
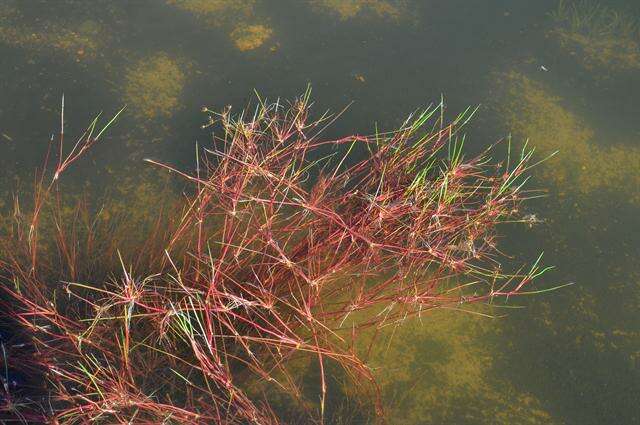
x=216, y=11
x=582, y=165
x=601, y=36
x=594, y=19
x=276, y=254
x=448, y=360
x=81, y=42
x=594, y=168
x=246, y=30
x=250, y=37
x=153, y=86
x=347, y=9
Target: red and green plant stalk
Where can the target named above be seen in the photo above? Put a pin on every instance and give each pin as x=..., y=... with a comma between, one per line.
x=276, y=254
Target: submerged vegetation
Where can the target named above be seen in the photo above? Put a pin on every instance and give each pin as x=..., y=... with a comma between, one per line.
x=81, y=42
x=446, y=358
x=574, y=93
x=596, y=166
x=250, y=37
x=216, y=11
x=246, y=30
x=581, y=165
x=153, y=86
x=347, y=9
x=275, y=255
x=600, y=36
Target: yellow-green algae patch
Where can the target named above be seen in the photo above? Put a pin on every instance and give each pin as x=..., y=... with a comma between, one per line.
x=582, y=165
x=246, y=31
x=216, y=12
x=80, y=42
x=153, y=86
x=598, y=36
x=437, y=368
x=580, y=328
x=250, y=37
x=347, y=9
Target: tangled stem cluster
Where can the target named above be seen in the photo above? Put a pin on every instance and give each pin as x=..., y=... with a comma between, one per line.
x=276, y=254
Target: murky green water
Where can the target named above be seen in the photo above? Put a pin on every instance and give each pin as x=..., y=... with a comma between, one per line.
x=567, y=78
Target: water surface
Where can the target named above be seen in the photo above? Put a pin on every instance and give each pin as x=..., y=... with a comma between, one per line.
x=566, y=82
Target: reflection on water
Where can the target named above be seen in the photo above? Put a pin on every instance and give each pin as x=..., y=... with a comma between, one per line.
x=565, y=75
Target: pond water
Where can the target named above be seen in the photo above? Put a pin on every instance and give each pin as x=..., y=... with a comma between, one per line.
x=564, y=75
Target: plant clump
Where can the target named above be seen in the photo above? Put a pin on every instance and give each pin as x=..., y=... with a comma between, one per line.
x=348, y=9
x=447, y=359
x=153, y=86
x=274, y=255
x=601, y=37
x=581, y=165
x=250, y=37
x=235, y=16
x=83, y=42
x=215, y=11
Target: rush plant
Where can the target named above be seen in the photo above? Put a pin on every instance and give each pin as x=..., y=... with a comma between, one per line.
x=279, y=251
